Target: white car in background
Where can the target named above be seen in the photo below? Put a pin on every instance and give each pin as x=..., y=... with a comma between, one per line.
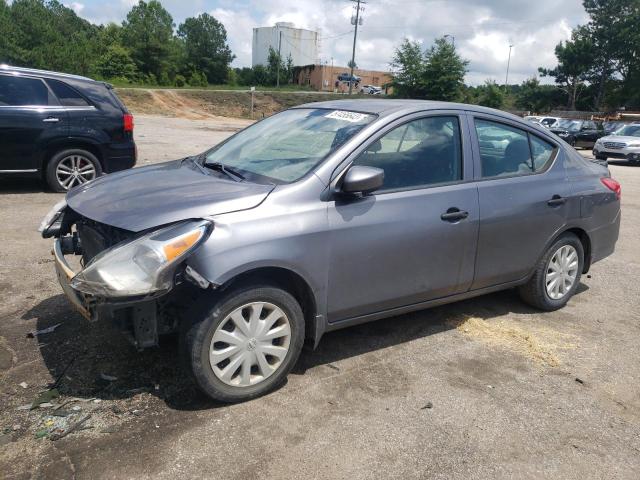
x=623, y=144
x=371, y=90
x=547, y=122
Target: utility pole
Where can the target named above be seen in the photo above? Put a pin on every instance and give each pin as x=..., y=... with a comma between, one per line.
x=506, y=81
x=355, y=36
x=279, y=59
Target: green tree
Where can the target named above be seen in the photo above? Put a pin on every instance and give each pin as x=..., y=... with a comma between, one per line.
x=444, y=70
x=116, y=62
x=205, y=41
x=575, y=60
x=275, y=66
x=491, y=95
x=148, y=32
x=407, y=67
x=536, y=98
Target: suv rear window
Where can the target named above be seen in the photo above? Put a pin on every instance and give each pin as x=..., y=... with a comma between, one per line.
x=67, y=96
x=22, y=91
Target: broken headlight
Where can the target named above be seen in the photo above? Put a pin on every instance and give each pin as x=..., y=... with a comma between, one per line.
x=141, y=266
x=51, y=218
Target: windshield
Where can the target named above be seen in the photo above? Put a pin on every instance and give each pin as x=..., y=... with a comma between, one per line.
x=571, y=125
x=629, y=131
x=285, y=147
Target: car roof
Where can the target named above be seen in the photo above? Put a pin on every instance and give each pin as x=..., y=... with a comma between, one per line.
x=41, y=73
x=384, y=107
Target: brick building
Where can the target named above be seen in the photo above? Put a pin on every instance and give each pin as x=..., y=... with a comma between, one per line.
x=324, y=77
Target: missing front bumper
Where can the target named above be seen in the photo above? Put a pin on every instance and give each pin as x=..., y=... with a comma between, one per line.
x=136, y=318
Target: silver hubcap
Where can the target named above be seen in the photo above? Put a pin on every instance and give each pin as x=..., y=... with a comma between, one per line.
x=75, y=170
x=562, y=272
x=250, y=344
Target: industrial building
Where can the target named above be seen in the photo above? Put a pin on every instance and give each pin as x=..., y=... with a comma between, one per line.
x=324, y=77
x=301, y=44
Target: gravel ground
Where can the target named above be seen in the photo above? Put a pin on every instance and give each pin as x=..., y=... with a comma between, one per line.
x=485, y=388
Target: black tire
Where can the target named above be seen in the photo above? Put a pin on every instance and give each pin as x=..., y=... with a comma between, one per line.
x=601, y=157
x=52, y=165
x=534, y=292
x=200, y=325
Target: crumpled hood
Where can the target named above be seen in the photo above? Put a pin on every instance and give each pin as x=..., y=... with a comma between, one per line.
x=620, y=139
x=147, y=197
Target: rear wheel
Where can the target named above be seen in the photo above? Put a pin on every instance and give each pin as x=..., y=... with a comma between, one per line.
x=244, y=344
x=557, y=275
x=70, y=168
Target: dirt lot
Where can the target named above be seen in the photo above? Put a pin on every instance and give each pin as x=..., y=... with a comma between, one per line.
x=486, y=388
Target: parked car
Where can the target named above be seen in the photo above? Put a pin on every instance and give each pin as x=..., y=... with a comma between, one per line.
x=63, y=128
x=346, y=77
x=610, y=127
x=623, y=144
x=549, y=122
x=579, y=133
x=328, y=215
x=533, y=118
x=371, y=90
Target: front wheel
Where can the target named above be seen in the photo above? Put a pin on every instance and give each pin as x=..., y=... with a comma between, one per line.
x=243, y=344
x=556, y=276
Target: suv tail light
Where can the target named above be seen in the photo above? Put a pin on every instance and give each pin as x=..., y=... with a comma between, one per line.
x=128, y=122
x=612, y=185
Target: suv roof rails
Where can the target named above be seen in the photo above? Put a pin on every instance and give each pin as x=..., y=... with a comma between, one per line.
x=5, y=67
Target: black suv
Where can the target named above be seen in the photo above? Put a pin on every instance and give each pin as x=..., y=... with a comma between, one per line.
x=579, y=133
x=65, y=128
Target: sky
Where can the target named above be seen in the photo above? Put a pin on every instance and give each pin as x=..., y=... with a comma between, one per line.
x=483, y=29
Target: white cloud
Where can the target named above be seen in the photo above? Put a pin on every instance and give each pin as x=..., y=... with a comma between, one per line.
x=75, y=6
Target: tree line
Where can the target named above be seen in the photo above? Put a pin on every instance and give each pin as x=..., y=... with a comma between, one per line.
x=145, y=48
x=598, y=68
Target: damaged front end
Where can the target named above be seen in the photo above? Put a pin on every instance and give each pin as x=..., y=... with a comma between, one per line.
x=126, y=276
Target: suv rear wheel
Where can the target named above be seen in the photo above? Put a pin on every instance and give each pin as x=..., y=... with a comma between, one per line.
x=70, y=168
x=243, y=344
x=557, y=275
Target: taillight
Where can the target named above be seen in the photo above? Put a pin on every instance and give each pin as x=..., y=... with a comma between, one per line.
x=612, y=185
x=128, y=122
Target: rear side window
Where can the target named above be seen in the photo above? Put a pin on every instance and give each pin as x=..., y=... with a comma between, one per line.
x=508, y=151
x=22, y=91
x=417, y=154
x=67, y=96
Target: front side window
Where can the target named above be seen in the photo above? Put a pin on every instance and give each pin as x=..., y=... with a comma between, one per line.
x=629, y=131
x=67, y=96
x=21, y=91
x=285, y=147
x=420, y=153
x=508, y=151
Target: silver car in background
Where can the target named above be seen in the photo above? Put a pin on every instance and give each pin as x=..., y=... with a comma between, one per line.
x=328, y=215
x=624, y=144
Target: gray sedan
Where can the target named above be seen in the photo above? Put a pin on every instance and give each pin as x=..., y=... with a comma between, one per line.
x=328, y=215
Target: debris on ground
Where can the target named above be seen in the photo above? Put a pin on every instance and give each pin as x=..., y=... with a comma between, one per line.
x=45, y=397
x=108, y=378
x=427, y=406
x=580, y=381
x=24, y=385
x=43, y=331
x=57, y=436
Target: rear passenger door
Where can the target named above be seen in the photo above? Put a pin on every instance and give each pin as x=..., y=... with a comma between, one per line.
x=30, y=115
x=414, y=239
x=523, y=190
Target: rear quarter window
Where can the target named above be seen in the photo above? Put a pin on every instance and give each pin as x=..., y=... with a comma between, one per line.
x=67, y=96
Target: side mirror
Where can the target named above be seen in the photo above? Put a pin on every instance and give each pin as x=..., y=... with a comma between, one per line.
x=361, y=179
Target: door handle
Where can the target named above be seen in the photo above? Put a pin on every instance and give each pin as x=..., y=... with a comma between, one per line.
x=454, y=215
x=556, y=201
x=51, y=120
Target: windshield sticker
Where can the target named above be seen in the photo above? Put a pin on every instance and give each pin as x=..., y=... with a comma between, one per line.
x=353, y=117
